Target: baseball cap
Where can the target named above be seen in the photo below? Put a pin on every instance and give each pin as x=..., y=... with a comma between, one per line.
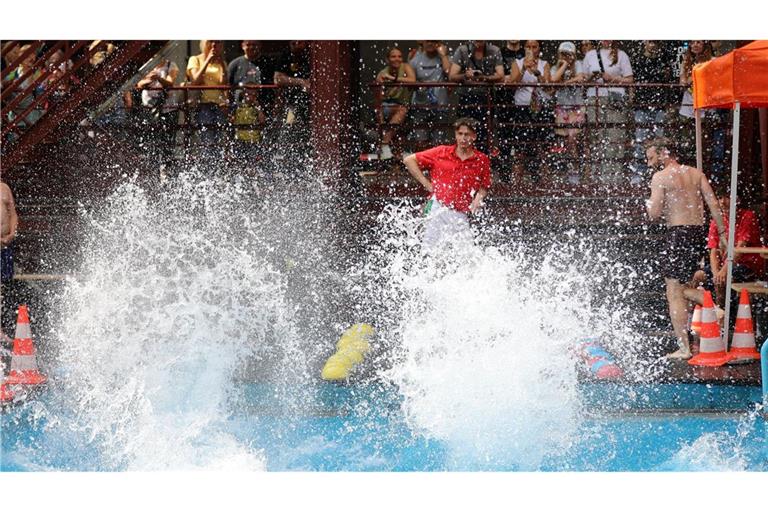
x=567, y=46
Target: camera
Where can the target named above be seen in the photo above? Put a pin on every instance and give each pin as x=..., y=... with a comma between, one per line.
x=477, y=72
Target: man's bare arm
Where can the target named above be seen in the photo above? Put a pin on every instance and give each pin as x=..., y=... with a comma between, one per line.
x=655, y=205
x=714, y=207
x=13, y=218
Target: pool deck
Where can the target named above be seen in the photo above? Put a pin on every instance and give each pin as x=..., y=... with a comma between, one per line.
x=735, y=374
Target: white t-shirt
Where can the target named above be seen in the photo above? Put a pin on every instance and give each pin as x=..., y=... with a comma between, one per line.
x=591, y=65
x=148, y=96
x=523, y=94
x=569, y=95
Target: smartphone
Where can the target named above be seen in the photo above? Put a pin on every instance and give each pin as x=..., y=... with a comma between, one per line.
x=528, y=54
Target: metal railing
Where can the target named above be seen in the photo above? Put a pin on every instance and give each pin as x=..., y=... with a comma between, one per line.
x=608, y=128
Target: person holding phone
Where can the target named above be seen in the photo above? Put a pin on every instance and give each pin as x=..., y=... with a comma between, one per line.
x=607, y=111
x=533, y=107
x=473, y=65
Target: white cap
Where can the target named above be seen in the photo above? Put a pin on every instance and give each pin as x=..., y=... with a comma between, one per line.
x=567, y=46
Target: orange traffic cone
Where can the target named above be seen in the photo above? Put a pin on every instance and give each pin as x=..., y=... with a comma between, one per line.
x=23, y=361
x=696, y=320
x=6, y=395
x=743, y=347
x=711, y=347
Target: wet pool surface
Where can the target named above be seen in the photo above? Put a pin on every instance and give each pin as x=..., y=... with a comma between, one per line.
x=623, y=427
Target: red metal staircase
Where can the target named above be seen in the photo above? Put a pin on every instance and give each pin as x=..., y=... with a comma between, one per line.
x=34, y=85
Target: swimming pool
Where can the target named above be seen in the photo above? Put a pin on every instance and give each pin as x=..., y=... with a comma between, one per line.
x=199, y=345
x=666, y=427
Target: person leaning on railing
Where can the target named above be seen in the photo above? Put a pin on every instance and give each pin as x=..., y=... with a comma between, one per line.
x=651, y=66
x=292, y=73
x=533, y=110
x=609, y=67
x=476, y=63
x=395, y=100
x=430, y=64
x=569, y=105
x=158, y=116
x=208, y=68
x=698, y=52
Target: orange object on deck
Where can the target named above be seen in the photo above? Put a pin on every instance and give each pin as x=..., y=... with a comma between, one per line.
x=711, y=347
x=743, y=348
x=740, y=75
x=696, y=320
x=6, y=395
x=23, y=360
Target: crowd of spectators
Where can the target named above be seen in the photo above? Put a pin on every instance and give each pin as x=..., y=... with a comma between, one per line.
x=587, y=110
x=582, y=110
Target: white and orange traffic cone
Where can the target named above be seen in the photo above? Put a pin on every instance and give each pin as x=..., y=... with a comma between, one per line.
x=696, y=320
x=743, y=348
x=23, y=360
x=711, y=346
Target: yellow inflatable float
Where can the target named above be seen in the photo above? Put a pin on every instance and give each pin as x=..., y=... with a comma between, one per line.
x=350, y=351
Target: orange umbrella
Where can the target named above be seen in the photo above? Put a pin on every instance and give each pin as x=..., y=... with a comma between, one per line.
x=739, y=78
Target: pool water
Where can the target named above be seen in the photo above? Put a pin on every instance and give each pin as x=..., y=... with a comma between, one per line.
x=198, y=344
x=363, y=428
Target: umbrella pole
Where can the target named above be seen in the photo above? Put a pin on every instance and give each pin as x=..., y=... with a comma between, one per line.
x=732, y=217
x=699, y=151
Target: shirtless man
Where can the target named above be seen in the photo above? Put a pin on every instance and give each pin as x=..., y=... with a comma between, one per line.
x=676, y=195
x=9, y=221
x=8, y=224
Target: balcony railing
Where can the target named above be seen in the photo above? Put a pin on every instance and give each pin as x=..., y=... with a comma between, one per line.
x=600, y=143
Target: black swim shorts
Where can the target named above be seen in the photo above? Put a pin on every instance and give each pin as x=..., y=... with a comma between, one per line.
x=684, y=248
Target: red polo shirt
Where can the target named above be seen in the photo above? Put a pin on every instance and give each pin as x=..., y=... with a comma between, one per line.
x=454, y=181
x=747, y=230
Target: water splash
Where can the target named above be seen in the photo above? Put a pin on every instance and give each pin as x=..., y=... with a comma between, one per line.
x=180, y=293
x=484, y=342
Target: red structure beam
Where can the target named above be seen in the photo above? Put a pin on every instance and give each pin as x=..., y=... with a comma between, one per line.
x=330, y=108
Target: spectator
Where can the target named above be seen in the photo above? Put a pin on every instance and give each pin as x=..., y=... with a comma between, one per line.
x=651, y=67
x=58, y=79
x=245, y=69
x=395, y=100
x=293, y=74
x=511, y=52
x=476, y=63
x=608, y=66
x=9, y=223
x=584, y=48
x=102, y=50
x=11, y=52
x=28, y=97
x=569, y=104
x=430, y=65
x=698, y=52
x=533, y=109
x=209, y=69
x=248, y=118
x=504, y=104
x=160, y=115
x=460, y=177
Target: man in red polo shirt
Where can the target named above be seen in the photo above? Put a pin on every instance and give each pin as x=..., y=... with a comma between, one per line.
x=459, y=179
